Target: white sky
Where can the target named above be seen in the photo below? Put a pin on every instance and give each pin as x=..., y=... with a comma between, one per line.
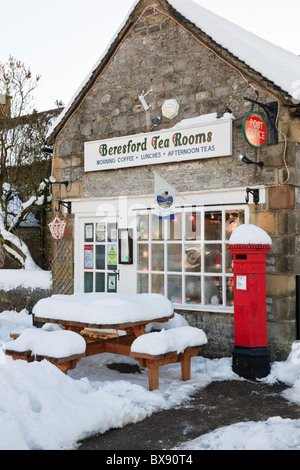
x=62, y=39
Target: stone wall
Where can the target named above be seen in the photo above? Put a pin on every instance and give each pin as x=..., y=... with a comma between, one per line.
x=160, y=55
x=21, y=298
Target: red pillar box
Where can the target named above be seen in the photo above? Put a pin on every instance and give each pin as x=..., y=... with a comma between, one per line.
x=249, y=245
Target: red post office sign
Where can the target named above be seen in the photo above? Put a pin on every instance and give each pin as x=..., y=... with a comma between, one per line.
x=255, y=129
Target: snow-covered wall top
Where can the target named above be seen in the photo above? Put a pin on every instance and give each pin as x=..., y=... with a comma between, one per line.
x=278, y=65
x=248, y=234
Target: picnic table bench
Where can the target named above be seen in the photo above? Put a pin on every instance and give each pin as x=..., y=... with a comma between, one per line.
x=157, y=349
x=62, y=348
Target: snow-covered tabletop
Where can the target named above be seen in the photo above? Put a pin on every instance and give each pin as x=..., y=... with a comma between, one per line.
x=104, y=309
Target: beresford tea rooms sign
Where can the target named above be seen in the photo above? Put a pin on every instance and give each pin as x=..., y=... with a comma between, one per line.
x=207, y=140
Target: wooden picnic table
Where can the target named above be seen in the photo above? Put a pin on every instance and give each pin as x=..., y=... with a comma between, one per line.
x=113, y=323
x=126, y=314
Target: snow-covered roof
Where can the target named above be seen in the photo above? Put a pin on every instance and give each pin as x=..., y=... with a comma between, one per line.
x=273, y=62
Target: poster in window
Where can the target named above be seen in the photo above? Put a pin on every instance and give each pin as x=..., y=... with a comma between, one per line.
x=112, y=256
x=100, y=232
x=88, y=257
x=111, y=283
x=88, y=232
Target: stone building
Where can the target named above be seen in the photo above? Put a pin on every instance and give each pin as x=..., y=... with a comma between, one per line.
x=167, y=102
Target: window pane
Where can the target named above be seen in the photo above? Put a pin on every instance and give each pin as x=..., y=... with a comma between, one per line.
x=142, y=227
x=175, y=289
x=143, y=257
x=158, y=257
x=175, y=228
x=111, y=282
x=88, y=282
x=233, y=220
x=193, y=289
x=175, y=257
x=157, y=228
x=100, y=282
x=88, y=232
x=100, y=257
x=213, y=225
x=213, y=291
x=229, y=260
x=192, y=226
x=142, y=283
x=112, y=232
x=88, y=256
x=158, y=284
x=192, y=258
x=229, y=292
x=213, y=258
x=100, y=232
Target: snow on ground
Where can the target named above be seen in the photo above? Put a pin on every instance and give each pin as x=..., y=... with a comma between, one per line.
x=42, y=408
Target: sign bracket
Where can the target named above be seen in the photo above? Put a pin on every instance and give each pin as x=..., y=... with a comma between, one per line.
x=255, y=194
x=271, y=110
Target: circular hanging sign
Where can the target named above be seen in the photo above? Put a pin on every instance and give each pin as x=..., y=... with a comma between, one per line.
x=165, y=200
x=255, y=129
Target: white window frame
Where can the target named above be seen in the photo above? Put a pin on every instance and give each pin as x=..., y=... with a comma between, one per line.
x=202, y=273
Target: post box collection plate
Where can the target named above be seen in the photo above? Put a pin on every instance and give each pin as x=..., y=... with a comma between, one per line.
x=241, y=282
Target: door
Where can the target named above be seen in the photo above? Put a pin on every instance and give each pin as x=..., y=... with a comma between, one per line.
x=99, y=252
x=98, y=268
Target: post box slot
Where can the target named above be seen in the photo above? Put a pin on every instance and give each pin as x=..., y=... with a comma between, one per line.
x=241, y=256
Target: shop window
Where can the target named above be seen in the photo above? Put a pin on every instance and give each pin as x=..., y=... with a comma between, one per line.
x=187, y=259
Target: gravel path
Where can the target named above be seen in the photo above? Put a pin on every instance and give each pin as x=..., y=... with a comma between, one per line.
x=219, y=404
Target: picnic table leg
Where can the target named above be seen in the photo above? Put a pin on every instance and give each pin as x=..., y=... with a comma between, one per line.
x=153, y=376
x=62, y=367
x=139, y=330
x=186, y=367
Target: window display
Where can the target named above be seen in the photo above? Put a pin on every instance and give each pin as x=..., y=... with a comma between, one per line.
x=187, y=259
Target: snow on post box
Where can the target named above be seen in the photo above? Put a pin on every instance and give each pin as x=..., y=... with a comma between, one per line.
x=249, y=245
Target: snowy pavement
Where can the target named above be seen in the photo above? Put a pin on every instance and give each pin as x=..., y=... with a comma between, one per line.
x=42, y=408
